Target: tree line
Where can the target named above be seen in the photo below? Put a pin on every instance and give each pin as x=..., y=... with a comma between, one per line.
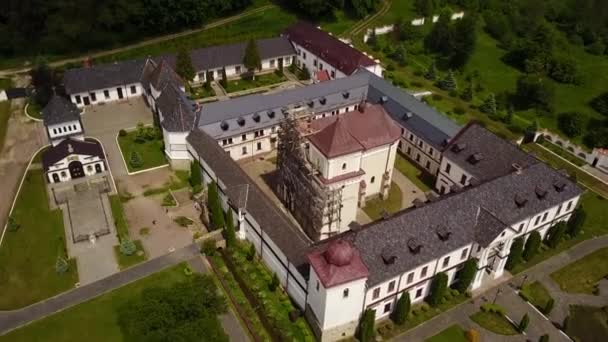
x=39, y=27
x=316, y=9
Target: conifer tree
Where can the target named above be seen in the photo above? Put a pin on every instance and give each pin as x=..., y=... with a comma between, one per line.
x=466, y=275
x=489, y=105
x=252, y=60
x=438, y=288
x=229, y=231
x=215, y=207
x=515, y=253
x=532, y=245
x=402, y=309
x=183, y=65
x=448, y=82
x=366, y=326
x=431, y=72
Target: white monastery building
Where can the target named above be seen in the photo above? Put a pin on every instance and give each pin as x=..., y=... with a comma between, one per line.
x=491, y=192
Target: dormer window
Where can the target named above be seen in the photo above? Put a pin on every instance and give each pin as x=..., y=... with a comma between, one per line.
x=443, y=232
x=322, y=100
x=384, y=99
x=346, y=94
x=224, y=126
x=475, y=158
x=240, y=121
x=414, y=245
x=457, y=148
x=540, y=192
x=520, y=201
x=345, y=293
x=559, y=185
x=407, y=115
x=311, y=103
x=256, y=117
x=270, y=114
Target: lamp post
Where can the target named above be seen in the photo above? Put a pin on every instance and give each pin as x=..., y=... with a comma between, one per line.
x=499, y=291
x=523, y=281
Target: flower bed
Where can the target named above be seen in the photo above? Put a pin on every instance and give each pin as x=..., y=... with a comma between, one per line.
x=274, y=307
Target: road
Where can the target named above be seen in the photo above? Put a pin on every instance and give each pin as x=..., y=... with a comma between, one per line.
x=8, y=72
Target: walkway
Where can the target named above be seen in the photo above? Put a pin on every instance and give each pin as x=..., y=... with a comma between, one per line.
x=514, y=305
x=10, y=320
x=145, y=42
x=220, y=93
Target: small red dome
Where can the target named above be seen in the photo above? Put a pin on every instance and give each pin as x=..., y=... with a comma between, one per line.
x=339, y=253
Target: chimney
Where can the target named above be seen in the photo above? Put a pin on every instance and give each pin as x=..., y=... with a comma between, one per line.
x=362, y=105
x=517, y=168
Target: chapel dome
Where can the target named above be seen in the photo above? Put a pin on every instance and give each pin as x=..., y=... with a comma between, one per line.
x=339, y=253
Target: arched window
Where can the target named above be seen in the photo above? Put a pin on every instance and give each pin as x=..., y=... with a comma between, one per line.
x=62, y=174
x=89, y=168
x=373, y=179
x=345, y=293
x=344, y=166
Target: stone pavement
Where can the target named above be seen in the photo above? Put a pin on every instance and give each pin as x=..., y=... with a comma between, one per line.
x=10, y=320
x=229, y=321
x=409, y=191
x=219, y=91
x=514, y=305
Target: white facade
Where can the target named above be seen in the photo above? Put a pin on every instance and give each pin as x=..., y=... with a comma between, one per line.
x=419, y=151
x=235, y=71
x=251, y=143
x=99, y=96
x=58, y=132
x=60, y=171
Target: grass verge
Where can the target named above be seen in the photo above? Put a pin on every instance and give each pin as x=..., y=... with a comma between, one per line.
x=563, y=153
x=28, y=255
x=587, y=323
x=120, y=221
x=583, y=275
x=257, y=82
x=96, y=319
x=374, y=207
x=455, y=333
x=5, y=114
x=420, y=178
x=151, y=152
x=126, y=261
x=494, y=322
x=536, y=294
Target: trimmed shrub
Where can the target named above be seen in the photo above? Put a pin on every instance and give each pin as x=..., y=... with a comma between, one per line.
x=122, y=133
x=438, y=288
x=402, y=309
x=127, y=247
x=61, y=265
x=274, y=283
x=208, y=247
x=472, y=335
x=556, y=234
x=544, y=338
x=229, y=231
x=523, y=324
x=135, y=160
x=366, y=331
x=251, y=252
x=215, y=207
x=12, y=225
x=466, y=275
x=195, y=175
x=493, y=308
x=515, y=253
x=576, y=221
x=549, y=306
x=532, y=245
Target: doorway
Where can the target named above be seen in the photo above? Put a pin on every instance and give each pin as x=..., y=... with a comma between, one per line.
x=119, y=91
x=97, y=168
x=55, y=178
x=76, y=170
x=595, y=160
x=86, y=100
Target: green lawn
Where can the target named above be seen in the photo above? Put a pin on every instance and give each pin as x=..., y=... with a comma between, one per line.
x=5, y=114
x=265, y=24
x=374, y=207
x=118, y=212
x=151, y=151
x=403, y=9
x=201, y=92
x=28, y=256
x=588, y=324
x=95, y=320
x=5, y=83
x=455, y=333
x=34, y=110
x=494, y=322
x=581, y=176
x=536, y=294
x=595, y=225
x=421, y=179
x=126, y=261
x=582, y=275
x=258, y=81
x=341, y=23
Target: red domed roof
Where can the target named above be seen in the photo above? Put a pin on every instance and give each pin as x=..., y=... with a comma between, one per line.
x=339, y=253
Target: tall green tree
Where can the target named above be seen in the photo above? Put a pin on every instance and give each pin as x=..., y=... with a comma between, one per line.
x=229, y=230
x=467, y=94
x=576, y=221
x=489, y=105
x=431, y=72
x=252, y=60
x=195, y=176
x=183, y=65
x=366, y=331
x=532, y=245
x=570, y=123
x=448, y=82
x=402, y=309
x=439, y=286
x=215, y=207
x=556, y=234
x=515, y=254
x=44, y=82
x=466, y=275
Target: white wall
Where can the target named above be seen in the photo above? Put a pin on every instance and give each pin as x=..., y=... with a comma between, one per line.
x=250, y=146
x=61, y=167
x=62, y=130
x=376, y=163
x=175, y=145
x=107, y=94
x=232, y=71
x=446, y=179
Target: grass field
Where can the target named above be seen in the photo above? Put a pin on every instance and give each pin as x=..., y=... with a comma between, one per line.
x=5, y=83
x=422, y=180
x=118, y=212
x=28, y=255
x=201, y=92
x=151, y=151
x=34, y=110
x=126, y=261
x=375, y=207
x=95, y=320
x=536, y=294
x=494, y=322
x=455, y=333
x=5, y=114
x=587, y=323
x=258, y=81
x=582, y=275
x=265, y=24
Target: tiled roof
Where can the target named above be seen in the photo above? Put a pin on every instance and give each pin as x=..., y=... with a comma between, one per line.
x=163, y=75
x=233, y=54
x=484, y=155
x=358, y=130
x=177, y=110
x=68, y=147
x=329, y=48
x=331, y=272
x=477, y=214
x=59, y=110
x=102, y=76
x=292, y=241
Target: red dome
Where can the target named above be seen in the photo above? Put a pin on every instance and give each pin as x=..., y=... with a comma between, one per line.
x=339, y=253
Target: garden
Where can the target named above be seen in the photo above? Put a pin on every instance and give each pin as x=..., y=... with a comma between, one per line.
x=583, y=275
x=128, y=252
x=256, y=82
x=136, y=312
x=587, y=323
x=142, y=148
x=455, y=333
x=492, y=318
x=423, y=180
x=33, y=109
x=536, y=294
x=202, y=92
x=374, y=208
x=33, y=257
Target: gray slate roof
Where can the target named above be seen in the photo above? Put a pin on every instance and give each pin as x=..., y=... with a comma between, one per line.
x=178, y=111
x=68, y=147
x=232, y=54
x=288, y=237
x=477, y=214
x=102, y=76
x=497, y=155
x=426, y=122
x=59, y=110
